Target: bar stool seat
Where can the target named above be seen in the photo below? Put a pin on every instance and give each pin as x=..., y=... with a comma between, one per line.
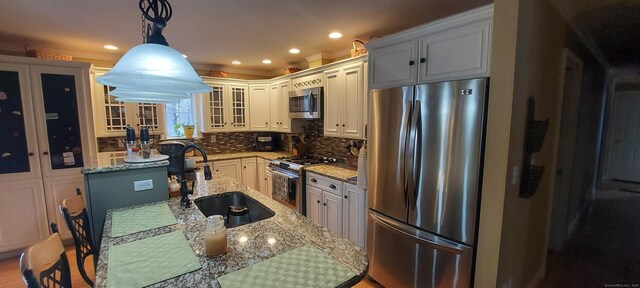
x=45, y=264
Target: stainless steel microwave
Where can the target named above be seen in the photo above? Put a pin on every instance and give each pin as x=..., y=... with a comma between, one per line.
x=305, y=103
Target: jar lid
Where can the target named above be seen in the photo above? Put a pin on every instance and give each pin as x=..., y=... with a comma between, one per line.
x=216, y=220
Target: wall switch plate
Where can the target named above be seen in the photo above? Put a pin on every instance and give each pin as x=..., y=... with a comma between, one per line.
x=213, y=138
x=143, y=185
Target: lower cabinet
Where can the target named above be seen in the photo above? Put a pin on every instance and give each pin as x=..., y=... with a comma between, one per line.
x=249, y=173
x=262, y=178
x=268, y=182
x=338, y=206
x=23, y=220
x=231, y=168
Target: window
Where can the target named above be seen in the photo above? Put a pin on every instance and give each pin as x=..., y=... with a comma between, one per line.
x=177, y=115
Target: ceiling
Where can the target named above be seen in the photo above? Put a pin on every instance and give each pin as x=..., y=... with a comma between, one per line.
x=214, y=32
x=613, y=26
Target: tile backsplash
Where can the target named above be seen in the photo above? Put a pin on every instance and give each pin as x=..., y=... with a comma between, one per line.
x=226, y=142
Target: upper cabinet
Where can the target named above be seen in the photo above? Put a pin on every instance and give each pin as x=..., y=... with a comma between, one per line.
x=225, y=108
x=345, y=101
x=279, y=106
x=454, y=48
x=259, y=107
x=112, y=117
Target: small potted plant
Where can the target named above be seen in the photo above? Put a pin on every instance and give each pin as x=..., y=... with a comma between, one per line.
x=188, y=130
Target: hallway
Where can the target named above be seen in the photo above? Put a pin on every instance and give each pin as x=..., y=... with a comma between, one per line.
x=605, y=248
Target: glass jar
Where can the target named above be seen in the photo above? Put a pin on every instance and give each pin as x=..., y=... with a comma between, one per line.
x=215, y=236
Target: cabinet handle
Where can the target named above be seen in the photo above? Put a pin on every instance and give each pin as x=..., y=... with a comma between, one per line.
x=324, y=204
x=245, y=167
x=332, y=186
x=266, y=122
x=225, y=123
x=422, y=60
x=30, y=153
x=411, y=63
x=337, y=125
x=231, y=123
x=265, y=179
x=343, y=125
x=318, y=201
x=345, y=197
x=314, y=180
x=45, y=153
x=217, y=170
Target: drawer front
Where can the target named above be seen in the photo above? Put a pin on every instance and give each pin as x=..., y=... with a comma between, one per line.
x=325, y=183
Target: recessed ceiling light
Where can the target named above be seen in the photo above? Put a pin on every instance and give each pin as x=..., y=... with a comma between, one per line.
x=236, y=62
x=335, y=35
x=266, y=61
x=185, y=56
x=110, y=47
x=294, y=50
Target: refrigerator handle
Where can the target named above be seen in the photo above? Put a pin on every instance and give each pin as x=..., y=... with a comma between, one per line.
x=417, y=150
x=406, y=168
x=419, y=236
x=411, y=151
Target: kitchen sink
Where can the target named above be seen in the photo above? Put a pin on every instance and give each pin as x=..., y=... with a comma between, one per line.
x=236, y=207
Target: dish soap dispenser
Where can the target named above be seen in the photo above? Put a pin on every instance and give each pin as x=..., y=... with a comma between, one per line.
x=174, y=186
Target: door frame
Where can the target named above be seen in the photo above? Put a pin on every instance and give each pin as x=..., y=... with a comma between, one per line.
x=560, y=227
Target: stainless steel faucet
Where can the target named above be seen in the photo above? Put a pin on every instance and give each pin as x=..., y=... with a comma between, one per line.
x=184, y=190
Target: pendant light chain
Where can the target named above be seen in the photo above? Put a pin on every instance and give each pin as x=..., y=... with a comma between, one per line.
x=144, y=29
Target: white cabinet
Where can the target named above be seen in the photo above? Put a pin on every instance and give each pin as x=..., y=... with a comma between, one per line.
x=455, y=54
x=47, y=139
x=262, y=177
x=249, y=176
x=345, y=102
x=324, y=202
x=285, y=121
x=454, y=48
x=354, y=214
x=269, y=182
x=259, y=107
x=231, y=168
x=279, y=107
x=112, y=117
x=225, y=108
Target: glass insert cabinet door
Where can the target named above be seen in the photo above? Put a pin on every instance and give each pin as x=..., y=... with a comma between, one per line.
x=238, y=101
x=118, y=115
x=215, y=102
x=18, y=144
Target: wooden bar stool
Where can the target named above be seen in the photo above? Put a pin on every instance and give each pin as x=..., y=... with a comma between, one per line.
x=45, y=264
x=75, y=214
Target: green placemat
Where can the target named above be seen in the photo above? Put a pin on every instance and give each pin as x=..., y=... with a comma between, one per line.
x=141, y=219
x=301, y=267
x=148, y=261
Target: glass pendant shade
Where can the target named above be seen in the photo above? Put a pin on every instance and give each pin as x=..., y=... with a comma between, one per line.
x=154, y=68
x=127, y=93
x=145, y=100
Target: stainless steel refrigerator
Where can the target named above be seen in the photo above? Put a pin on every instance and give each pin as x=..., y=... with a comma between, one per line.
x=425, y=157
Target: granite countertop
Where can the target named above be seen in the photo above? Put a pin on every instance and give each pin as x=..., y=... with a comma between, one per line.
x=333, y=171
x=240, y=155
x=290, y=229
x=106, y=166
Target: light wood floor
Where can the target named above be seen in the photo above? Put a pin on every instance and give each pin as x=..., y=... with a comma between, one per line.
x=10, y=273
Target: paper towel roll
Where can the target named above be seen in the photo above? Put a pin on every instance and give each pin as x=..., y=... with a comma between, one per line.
x=362, y=168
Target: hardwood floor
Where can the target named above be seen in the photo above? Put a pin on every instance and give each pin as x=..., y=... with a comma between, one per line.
x=10, y=273
x=10, y=276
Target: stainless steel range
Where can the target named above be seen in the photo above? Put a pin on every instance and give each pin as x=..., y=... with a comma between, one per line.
x=289, y=178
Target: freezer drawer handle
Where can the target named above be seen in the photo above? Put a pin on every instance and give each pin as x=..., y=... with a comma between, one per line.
x=442, y=245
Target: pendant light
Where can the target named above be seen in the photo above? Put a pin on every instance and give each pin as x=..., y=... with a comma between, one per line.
x=154, y=70
x=147, y=97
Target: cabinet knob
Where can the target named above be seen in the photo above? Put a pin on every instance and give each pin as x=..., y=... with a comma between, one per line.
x=231, y=123
x=217, y=170
x=225, y=123
x=332, y=186
x=412, y=62
x=265, y=179
x=30, y=153
x=314, y=180
x=318, y=201
x=345, y=197
x=266, y=122
x=337, y=125
x=245, y=167
x=343, y=125
x=45, y=153
x=422, y=60
x=324, y=204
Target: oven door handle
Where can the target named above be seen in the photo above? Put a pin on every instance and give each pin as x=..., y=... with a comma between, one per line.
x=284, y=172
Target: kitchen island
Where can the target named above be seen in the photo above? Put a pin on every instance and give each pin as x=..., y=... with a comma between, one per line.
x=247, y=244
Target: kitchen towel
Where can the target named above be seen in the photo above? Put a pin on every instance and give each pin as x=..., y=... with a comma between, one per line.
x=142, y=218
x=148, y=261
x=280, y=186
x=301, y=267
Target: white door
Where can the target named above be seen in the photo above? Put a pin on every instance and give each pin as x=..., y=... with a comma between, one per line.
x=24, y=217
x=354, y=214
x=332, y=212
x=333, y=102
x=274, y=107
x=285, y=121
x=624, y=155
x=19, y=158
x=259, y=103
x=353, y=105
x=56, y=190
x=249, y=176
x=269, y=180
x=230, y=168
x=314, y=204
x=59, y=96
x=238, y=108
x=455, y=54
x=262, y=178
x=213, y=110
x=393, y=65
